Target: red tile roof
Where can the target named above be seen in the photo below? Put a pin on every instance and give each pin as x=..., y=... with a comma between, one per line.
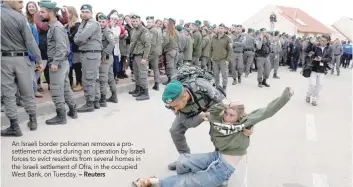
x=311, y=24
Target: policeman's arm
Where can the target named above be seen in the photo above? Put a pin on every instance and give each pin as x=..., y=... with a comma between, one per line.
x=229, y=50
x=30, y=42
x=86, y=33
x=110, y=37
x=165, y=40
x=147, y=44
x=204, y=43
x=61, y=45
x=154, y=37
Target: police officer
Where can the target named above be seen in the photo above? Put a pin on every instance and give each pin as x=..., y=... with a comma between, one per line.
x=274, y=56
x=89, y=40
x=16, y=38
x=106, y=64
x=249, y=51
x=139, y=51
x=263, y=46
x=156, y=49
x=206, y=46
x=58, y=51
x=238, y=43
x=188, y=100
x=182, y=45
x=197, y=46
x=189, y=45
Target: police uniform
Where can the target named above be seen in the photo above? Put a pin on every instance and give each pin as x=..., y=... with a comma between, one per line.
x=58, y=52
x=197, y=45
x=16, y=38
x=238, y=43
x=206, y=47
x=140, y=49
x=106, y=74
x=182, y=46
x=275, y=55
x=189, y=46
x=249, y=51
x=263, y=47
x=202, y=96
x=89, y=39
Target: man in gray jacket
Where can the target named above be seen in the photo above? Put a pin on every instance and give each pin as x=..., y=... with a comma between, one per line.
x=337, y=53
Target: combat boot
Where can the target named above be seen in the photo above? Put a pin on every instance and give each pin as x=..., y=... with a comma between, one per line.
x=72, y=111
x=13, y=130
x=32, y=124
x=138, y=93
x=260, y=84
x=239, y=79
x=275, y=76
x=265, y=83
x=96, y=104
x=234, y=82
x=88, y=107
x=167, y=82
x=156, y=86
x=103, y=101
x=59, y=119
x=137, y=88
x=113, y=98
x=144, y=95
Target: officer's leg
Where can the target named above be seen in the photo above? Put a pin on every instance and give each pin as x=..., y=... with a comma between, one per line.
x=89, y=79
x=135, y=62
x=204, y=63
x=47, y=76
x=176, y=61
x=233, y=64
x=240, y=66
x=260, y=70
x=216, y=68
x=57, y=86
x=196, y=61
x=209, y=65
x=223, y=65
x=8, y=91
x=103, y=82
x=143, y=76
x=275, y=66
x=97, y=86
x=246, y=61
x=153, y=60
x=338, y=64
x=69, y=99
x=111, y=81
x=267, y=70
x=169, y=68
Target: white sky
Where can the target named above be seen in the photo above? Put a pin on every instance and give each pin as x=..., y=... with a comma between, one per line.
x=221, y=11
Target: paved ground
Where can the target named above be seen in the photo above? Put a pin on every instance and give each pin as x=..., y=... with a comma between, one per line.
x=301, y=146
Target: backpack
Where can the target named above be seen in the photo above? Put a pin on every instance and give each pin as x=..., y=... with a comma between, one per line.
x=307, y=69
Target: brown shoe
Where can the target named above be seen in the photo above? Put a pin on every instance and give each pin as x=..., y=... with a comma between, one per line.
x=78, y=88
x=38, y=95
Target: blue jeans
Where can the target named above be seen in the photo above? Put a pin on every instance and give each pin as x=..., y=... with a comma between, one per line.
x=199, y=170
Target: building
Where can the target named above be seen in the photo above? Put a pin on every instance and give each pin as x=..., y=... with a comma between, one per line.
x=336, y=33
x=345, y=27
x=289, y=20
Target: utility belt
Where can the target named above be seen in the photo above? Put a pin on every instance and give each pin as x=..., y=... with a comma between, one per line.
x=249, y=50
x=238, y=52
x=338, y=55
x=14, y=54
x=90, y=51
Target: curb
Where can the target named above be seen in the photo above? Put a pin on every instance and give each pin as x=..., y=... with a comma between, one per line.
x=48, y=107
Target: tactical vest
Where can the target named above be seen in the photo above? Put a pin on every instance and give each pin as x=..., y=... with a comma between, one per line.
x=265, y=49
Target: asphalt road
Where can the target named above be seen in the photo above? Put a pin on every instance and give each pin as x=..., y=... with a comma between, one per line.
x=301, y=146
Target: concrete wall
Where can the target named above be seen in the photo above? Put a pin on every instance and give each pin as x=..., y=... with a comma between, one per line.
x=345, y=27
x=262, y=20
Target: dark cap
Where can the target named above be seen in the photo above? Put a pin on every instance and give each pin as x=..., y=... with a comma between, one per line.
x=47, y=4
x=221, y=25
x=86, y=6
x=150, y=18
x=172, y=20
x=135, y=16
x=262, y=29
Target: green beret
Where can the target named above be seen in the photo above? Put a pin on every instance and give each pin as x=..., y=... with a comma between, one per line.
x=47, y=4
x=221, y=25
x=262, y=29
x=150, y=18
x=250, y=30
x=172, y=91
x=239, y=26
x=172, y=20
x=102, y=17
x=135, y=16
x=86, y=6
x=197, y=23
x=187, y=29
x=179, y=28
x=214, y=25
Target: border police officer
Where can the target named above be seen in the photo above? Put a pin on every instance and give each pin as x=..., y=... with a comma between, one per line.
x=263, y=46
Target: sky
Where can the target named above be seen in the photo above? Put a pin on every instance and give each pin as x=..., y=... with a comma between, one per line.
x=223, y=11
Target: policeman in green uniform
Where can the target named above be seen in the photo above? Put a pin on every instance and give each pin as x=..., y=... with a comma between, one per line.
x=188, y=99
x=139, y=51
x=275, y=55
x=89, y=40
x=238, y=43
x=206, y=47
x=182, y=45
x=249, y=51
x=197, y=46
x=189, y=45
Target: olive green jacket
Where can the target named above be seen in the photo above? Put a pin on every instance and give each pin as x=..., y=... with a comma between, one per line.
x=189, y=47
x=140, y=42
x=206, y=46
x=197, y=49
x=221, y=48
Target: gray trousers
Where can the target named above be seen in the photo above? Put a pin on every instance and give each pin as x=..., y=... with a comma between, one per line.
x=103, y=77
x=196, y=61
x=60, y=88
x=19, y=68
x=237, y=65
x=90, y=74
x=248, y=61
x=111, y=79
x=274, y=59
x=171, y=59
x=204, y=62
x=180, y=60
x=153, y=61
x=263, y=68
x=220, y=67
x=336, y=60
x=283, y=57
x=179, y=127
x=140, y=72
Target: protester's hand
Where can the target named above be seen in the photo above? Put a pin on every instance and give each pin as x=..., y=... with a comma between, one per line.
x=84, y=42
x=291, y=92
x=104, y=58
x=248, y=132
x=39, y=67
x=53, y=68
x=205, y=115
x=143, y=61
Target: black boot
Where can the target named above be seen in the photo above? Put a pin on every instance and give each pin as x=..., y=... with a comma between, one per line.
x=167, y=82
x=137, y=88
x=124, y=75
x=275, y=76
x=13, y=130
x=88, y=107
x=103, y=101
x=113, y=98
x=143, y=96
x=59, y=119
x=32, y=124
x=260, y=84
x=265, y=83
x=235, y=82
x=239, y=79
x=96, y=104
x=156, y=86
x=138, y=93
x=72, y=111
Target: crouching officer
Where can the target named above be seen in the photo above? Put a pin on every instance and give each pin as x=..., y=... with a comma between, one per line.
x=58, y=51
x=106, y=63
x=89, y=40
x=188, y=100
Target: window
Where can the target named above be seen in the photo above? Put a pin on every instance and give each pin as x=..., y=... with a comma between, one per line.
x=300, y=22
